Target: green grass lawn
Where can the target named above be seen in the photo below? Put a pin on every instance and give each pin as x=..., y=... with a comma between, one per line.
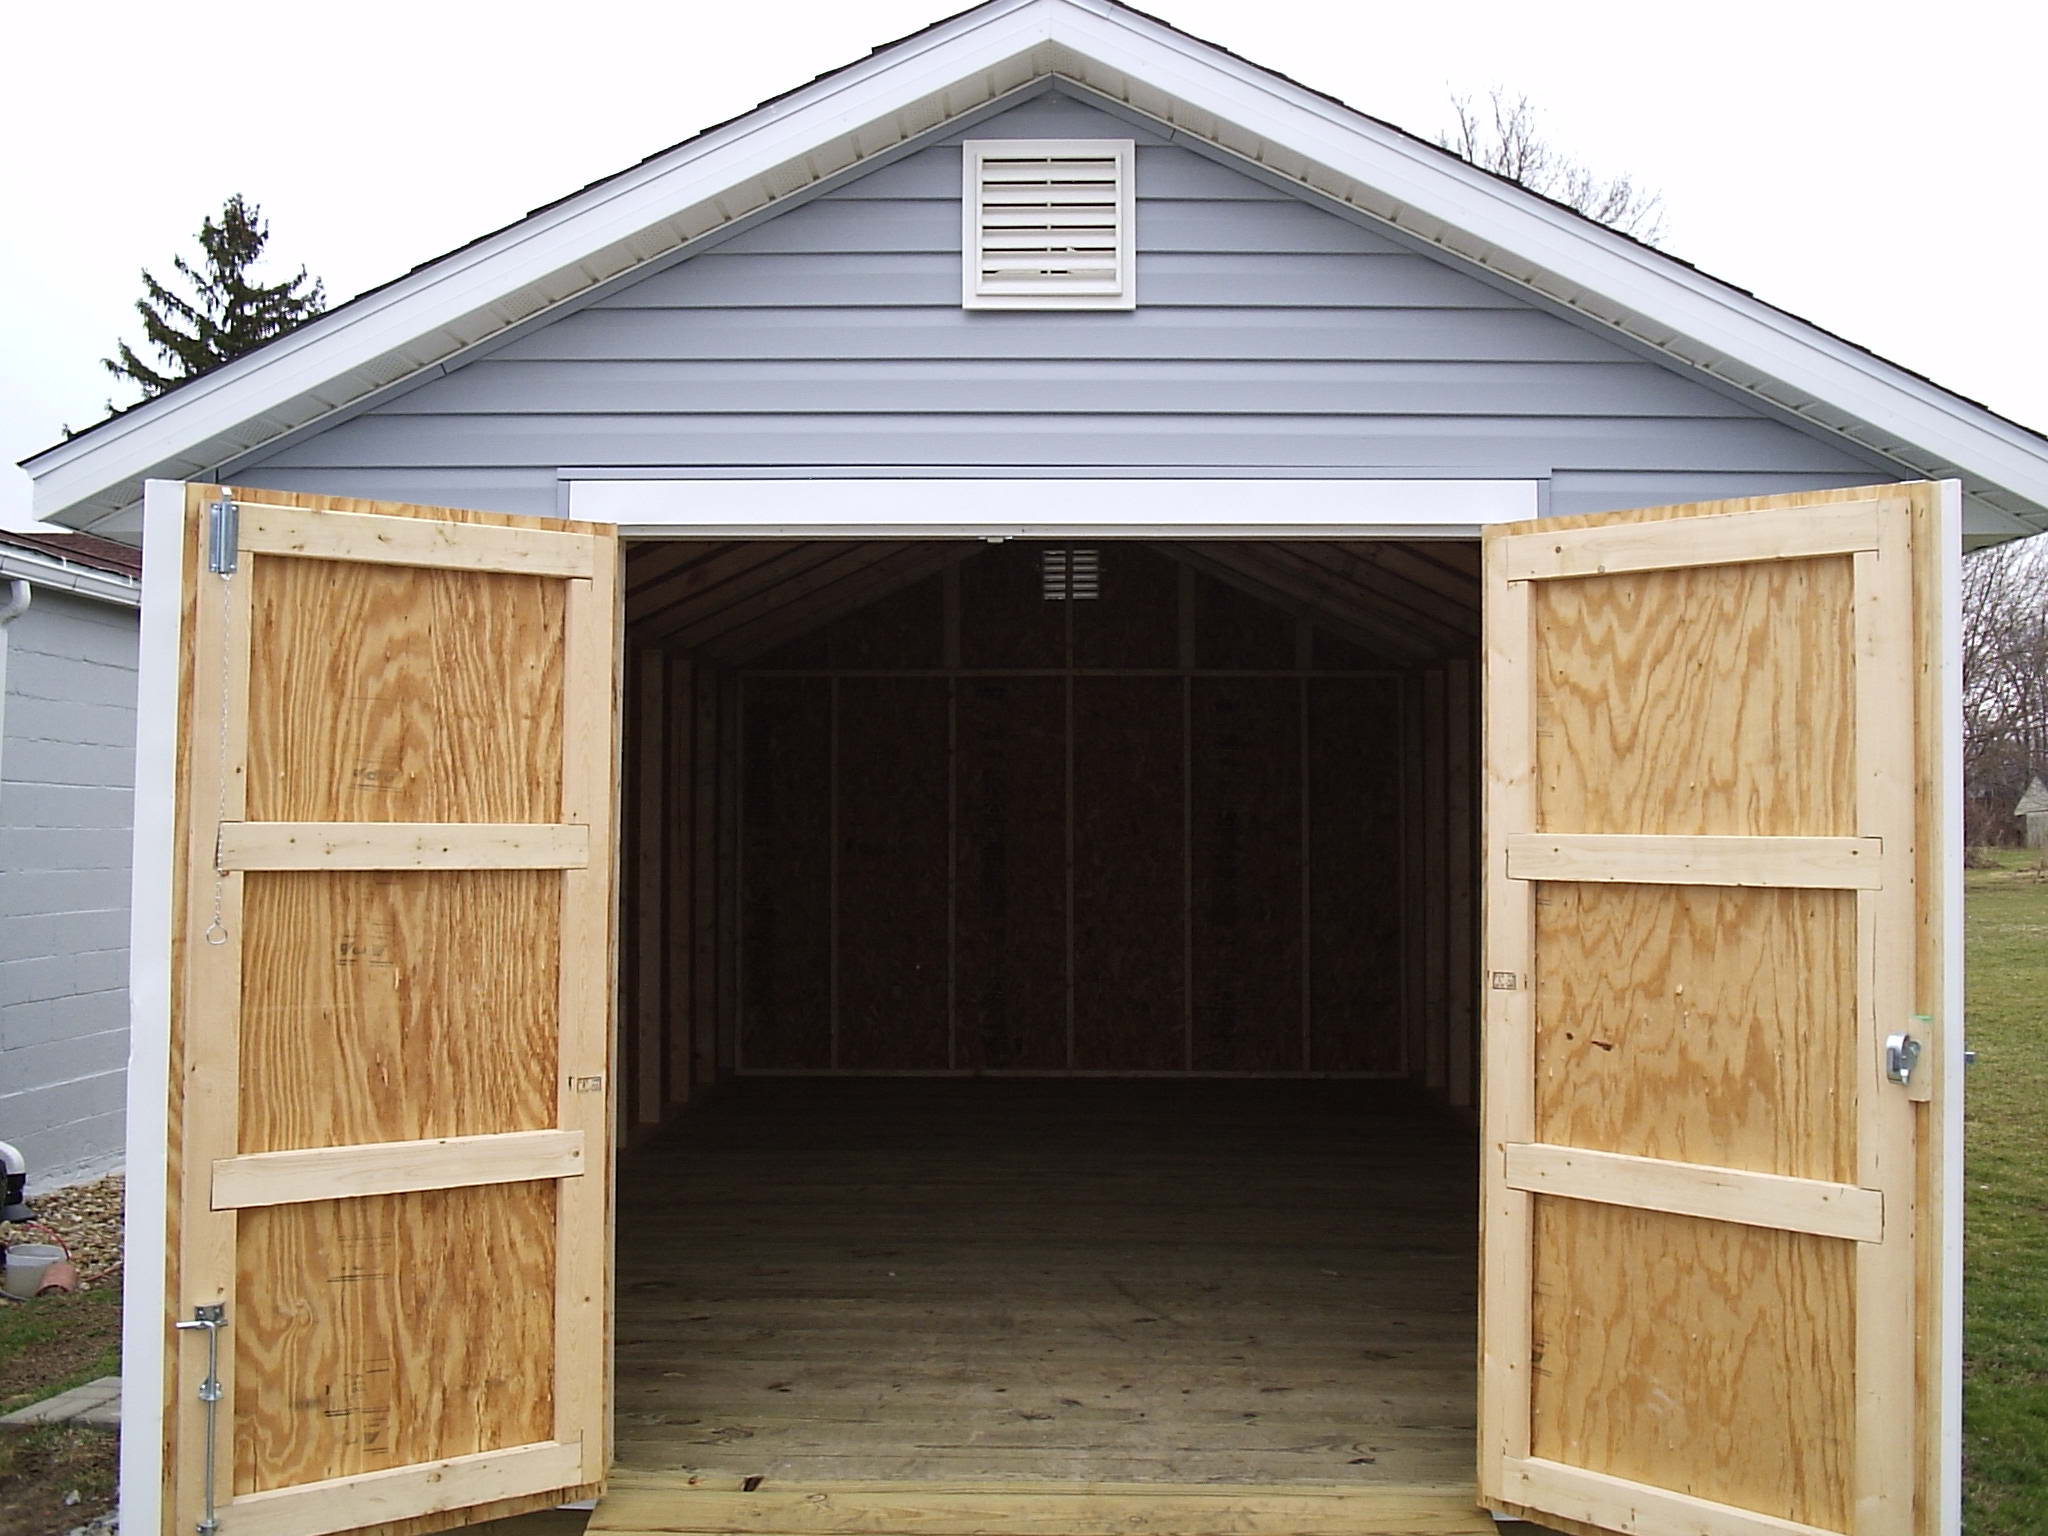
x=57, y=1342
x=2005, y=1293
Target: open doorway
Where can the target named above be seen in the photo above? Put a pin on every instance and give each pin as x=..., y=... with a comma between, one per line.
x=1049, y=1013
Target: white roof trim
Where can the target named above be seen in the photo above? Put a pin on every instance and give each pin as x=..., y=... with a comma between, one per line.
x=910, y=87
x=41, y=570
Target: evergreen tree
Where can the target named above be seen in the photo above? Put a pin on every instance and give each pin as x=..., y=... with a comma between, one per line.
x=229, y=313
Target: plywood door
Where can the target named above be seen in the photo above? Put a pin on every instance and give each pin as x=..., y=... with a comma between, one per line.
x=391, y=1017
x=1713, y=854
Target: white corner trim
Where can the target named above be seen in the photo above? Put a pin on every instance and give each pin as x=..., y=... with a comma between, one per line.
x=1950, y=1040
x=143, y=1342
x=929, y=508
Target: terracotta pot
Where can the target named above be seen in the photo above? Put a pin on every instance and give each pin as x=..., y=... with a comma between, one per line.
x=59, y=1279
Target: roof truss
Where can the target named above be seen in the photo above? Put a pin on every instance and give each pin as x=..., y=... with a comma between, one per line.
x=1401, y=603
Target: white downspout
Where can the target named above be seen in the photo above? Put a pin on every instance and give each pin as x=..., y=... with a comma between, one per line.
x=11, y=608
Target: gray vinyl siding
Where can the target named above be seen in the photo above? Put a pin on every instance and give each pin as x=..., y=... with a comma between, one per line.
x=1271, y=336
x=67, y=782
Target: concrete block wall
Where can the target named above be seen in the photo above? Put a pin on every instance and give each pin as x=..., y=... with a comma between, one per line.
x=67, y=781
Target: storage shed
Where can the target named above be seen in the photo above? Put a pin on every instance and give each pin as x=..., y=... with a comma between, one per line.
x=819, y=853
x=2033, y=814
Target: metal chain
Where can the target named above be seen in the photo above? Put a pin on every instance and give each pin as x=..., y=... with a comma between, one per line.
x=217, y=930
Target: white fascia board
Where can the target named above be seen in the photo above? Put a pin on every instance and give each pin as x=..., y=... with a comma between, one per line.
x=939, y=508
x=1512, y=232
x=706, y=171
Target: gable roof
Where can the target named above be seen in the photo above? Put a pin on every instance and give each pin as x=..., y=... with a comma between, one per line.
x=846, y=122
x=2034, y=801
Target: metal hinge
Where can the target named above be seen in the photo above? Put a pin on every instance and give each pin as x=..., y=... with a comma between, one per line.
x=211, y=1318
x=223, y=536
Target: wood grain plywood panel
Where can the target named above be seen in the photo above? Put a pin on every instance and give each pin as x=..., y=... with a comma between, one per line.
x=1235, y=629
x=1005, y=620
x=377, y=1300
x=1704, y=1024
x=1010, y=882
x=892, y=889
x=446, y=705
x=1713, y=1359
x=785, y=850
x=1245, y=830
x=1354, y=825
x=1697, y=702
x=1136, y=620
x=1129, y=928
x=366, y=1018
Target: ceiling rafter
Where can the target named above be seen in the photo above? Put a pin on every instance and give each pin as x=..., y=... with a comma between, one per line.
x=733, y=600
x=652, y=566
x=907, y=566
x=1325, y=591
x=767, y=589
x=685, y=605
x=1368, y=631
x=1320, y=565
x=1411, y=562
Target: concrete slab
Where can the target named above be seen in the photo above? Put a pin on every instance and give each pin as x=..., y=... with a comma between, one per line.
x=97, y=1403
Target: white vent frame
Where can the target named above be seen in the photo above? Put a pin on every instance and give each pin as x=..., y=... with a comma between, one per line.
x=1110, y=286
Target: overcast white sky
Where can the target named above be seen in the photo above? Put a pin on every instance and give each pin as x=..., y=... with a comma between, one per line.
x=1876, y=168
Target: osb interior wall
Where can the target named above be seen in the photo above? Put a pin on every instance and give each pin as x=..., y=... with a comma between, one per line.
x=1156, y=831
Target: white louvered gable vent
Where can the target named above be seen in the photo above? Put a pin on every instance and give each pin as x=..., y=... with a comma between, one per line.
x=1049, y=224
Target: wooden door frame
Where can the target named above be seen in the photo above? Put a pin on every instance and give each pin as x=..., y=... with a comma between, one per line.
x=1119, y=509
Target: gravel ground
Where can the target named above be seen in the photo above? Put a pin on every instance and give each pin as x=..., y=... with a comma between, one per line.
x=86, y=1218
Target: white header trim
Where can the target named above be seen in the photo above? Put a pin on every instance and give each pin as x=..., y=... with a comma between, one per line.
x=1214, y=509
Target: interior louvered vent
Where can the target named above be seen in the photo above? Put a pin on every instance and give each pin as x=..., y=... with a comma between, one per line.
x=1069, y=575
x=1049, y=224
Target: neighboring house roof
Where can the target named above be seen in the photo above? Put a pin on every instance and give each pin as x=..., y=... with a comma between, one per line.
x=849, y=121
x=86, y=549
x=80, y=563
x=2034, y=802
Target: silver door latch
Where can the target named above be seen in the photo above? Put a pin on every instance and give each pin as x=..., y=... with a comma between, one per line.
x=211, y=1319
x=1901, y=1056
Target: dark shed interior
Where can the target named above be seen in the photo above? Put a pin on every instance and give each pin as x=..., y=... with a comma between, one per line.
x=1146, y=870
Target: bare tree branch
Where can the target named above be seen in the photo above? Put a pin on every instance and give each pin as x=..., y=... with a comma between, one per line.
x=1505, y=136
x=2005, y=684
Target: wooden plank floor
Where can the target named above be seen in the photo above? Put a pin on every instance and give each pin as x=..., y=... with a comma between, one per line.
x=1036, y=1282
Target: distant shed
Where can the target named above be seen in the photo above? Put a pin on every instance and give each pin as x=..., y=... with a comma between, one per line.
x=2033, y=810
